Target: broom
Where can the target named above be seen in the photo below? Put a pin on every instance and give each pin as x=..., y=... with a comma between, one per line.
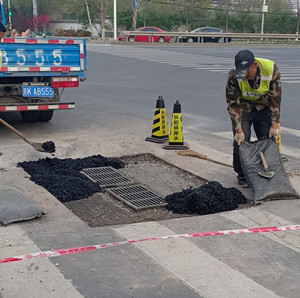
x=193, y=153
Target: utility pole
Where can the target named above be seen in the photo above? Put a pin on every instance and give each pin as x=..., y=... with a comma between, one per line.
x=298, y=17
x=9, y=12
x=115, y=19
x=34, y=8
x=89, y=17
x=264, y=10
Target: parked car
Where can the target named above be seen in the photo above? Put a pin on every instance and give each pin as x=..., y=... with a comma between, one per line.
x=192, y=39
x=146, y=38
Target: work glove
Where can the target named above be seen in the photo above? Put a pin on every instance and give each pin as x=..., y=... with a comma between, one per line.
x=274, y=131
x=239, y=137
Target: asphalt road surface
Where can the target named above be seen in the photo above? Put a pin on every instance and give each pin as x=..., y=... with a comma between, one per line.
x=113, y=116
x=123, y=83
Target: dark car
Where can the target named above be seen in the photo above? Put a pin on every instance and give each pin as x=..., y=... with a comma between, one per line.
x=146, y=38
x=192, y=39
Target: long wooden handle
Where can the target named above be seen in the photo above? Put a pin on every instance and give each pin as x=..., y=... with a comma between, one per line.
x=219, y=162
x=263, y=160
x=15, y=131
x=200, y=155
x=193, y=153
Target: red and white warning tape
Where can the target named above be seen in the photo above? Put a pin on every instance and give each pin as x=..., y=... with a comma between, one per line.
x=75, y=250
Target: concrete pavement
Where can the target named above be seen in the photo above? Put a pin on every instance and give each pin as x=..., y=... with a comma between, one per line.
x=250, y=265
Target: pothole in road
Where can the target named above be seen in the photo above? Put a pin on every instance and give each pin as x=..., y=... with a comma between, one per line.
x=97, y=207
x=147, y=170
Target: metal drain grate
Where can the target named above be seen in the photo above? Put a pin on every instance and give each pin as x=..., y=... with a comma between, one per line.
x=137, y=196
x=106, y=176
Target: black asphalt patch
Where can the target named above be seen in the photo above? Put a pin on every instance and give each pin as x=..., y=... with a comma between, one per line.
x=62, y=177
x=208, y=198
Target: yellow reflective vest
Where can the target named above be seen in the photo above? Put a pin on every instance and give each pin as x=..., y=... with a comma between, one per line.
x=266, y=69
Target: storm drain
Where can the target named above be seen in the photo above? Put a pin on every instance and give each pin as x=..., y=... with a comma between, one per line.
x=106, y=176
x=137, y=196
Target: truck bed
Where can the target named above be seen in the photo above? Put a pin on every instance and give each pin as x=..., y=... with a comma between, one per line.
x=34, y=57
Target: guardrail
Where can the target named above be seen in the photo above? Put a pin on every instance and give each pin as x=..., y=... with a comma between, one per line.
x=224, y=37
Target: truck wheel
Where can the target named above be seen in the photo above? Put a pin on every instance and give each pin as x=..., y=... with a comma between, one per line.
x=30, y=116
x=45, y=116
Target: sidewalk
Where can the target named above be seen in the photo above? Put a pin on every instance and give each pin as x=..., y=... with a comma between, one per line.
x=220, y=266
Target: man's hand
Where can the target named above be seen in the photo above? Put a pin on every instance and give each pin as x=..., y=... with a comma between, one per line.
x=274, y=130
x=239, y=136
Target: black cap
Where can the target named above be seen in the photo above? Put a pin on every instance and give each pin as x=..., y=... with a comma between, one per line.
x=243, y=60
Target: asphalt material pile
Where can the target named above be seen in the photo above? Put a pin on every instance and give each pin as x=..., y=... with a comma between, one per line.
x=49, y=146
x=62, y=177
x=209, y=198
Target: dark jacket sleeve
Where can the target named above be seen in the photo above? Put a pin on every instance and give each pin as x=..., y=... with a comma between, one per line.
x=275, y=95
x=234, y=107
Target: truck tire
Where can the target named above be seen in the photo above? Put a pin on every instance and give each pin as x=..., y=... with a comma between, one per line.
x=45, y=116
x=30, y=116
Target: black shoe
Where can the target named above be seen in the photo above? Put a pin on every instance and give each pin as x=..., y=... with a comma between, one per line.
x=243, y=182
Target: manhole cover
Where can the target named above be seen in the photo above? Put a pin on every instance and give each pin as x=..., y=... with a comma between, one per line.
x=105, y=176
x=137, y=196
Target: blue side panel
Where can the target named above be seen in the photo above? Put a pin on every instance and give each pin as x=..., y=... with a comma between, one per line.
x=42, y=56
x=26, y=59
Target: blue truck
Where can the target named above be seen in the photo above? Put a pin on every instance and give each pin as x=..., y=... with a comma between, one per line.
x=35, y=71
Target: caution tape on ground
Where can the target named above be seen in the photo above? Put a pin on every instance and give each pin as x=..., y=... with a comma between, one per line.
x=75, y=250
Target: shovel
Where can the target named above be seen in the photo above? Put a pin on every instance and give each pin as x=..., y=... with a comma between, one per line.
x=190, y=152
x=265, y=173
x=36, y=146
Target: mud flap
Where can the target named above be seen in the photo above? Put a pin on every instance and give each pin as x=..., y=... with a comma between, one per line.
x=276, y=188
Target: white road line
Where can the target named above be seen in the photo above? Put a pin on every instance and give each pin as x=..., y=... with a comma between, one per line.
x=290, y=151
x=291, y=82
x=205, y=274
x=17, y=279
x=288, y=67
x=291, y=131
x=255, y=217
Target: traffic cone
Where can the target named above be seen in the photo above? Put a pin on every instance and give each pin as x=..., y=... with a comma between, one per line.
x=176, y=137
x=160, y=127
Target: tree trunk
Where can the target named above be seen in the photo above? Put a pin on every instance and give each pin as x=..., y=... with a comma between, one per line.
x=226, y=25
x=103, y=17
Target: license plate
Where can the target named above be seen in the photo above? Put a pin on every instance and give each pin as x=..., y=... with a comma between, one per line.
x=37, y=91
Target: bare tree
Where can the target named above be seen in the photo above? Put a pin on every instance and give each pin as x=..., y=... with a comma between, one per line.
x=101, y=6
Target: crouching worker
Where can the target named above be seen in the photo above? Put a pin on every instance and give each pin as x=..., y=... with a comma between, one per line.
x=253, y=95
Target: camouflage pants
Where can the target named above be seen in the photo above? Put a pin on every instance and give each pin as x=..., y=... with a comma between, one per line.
x=261, y=122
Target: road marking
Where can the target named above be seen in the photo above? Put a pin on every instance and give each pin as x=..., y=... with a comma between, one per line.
x=291, y=131
x=200, y=62
x=291, y=82
x=196, y=268
x=255, y=216
x=287, y=150
x=18, y=279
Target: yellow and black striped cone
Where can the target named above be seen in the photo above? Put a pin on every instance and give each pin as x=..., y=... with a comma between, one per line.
x=176, y=136
x=160, y=127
